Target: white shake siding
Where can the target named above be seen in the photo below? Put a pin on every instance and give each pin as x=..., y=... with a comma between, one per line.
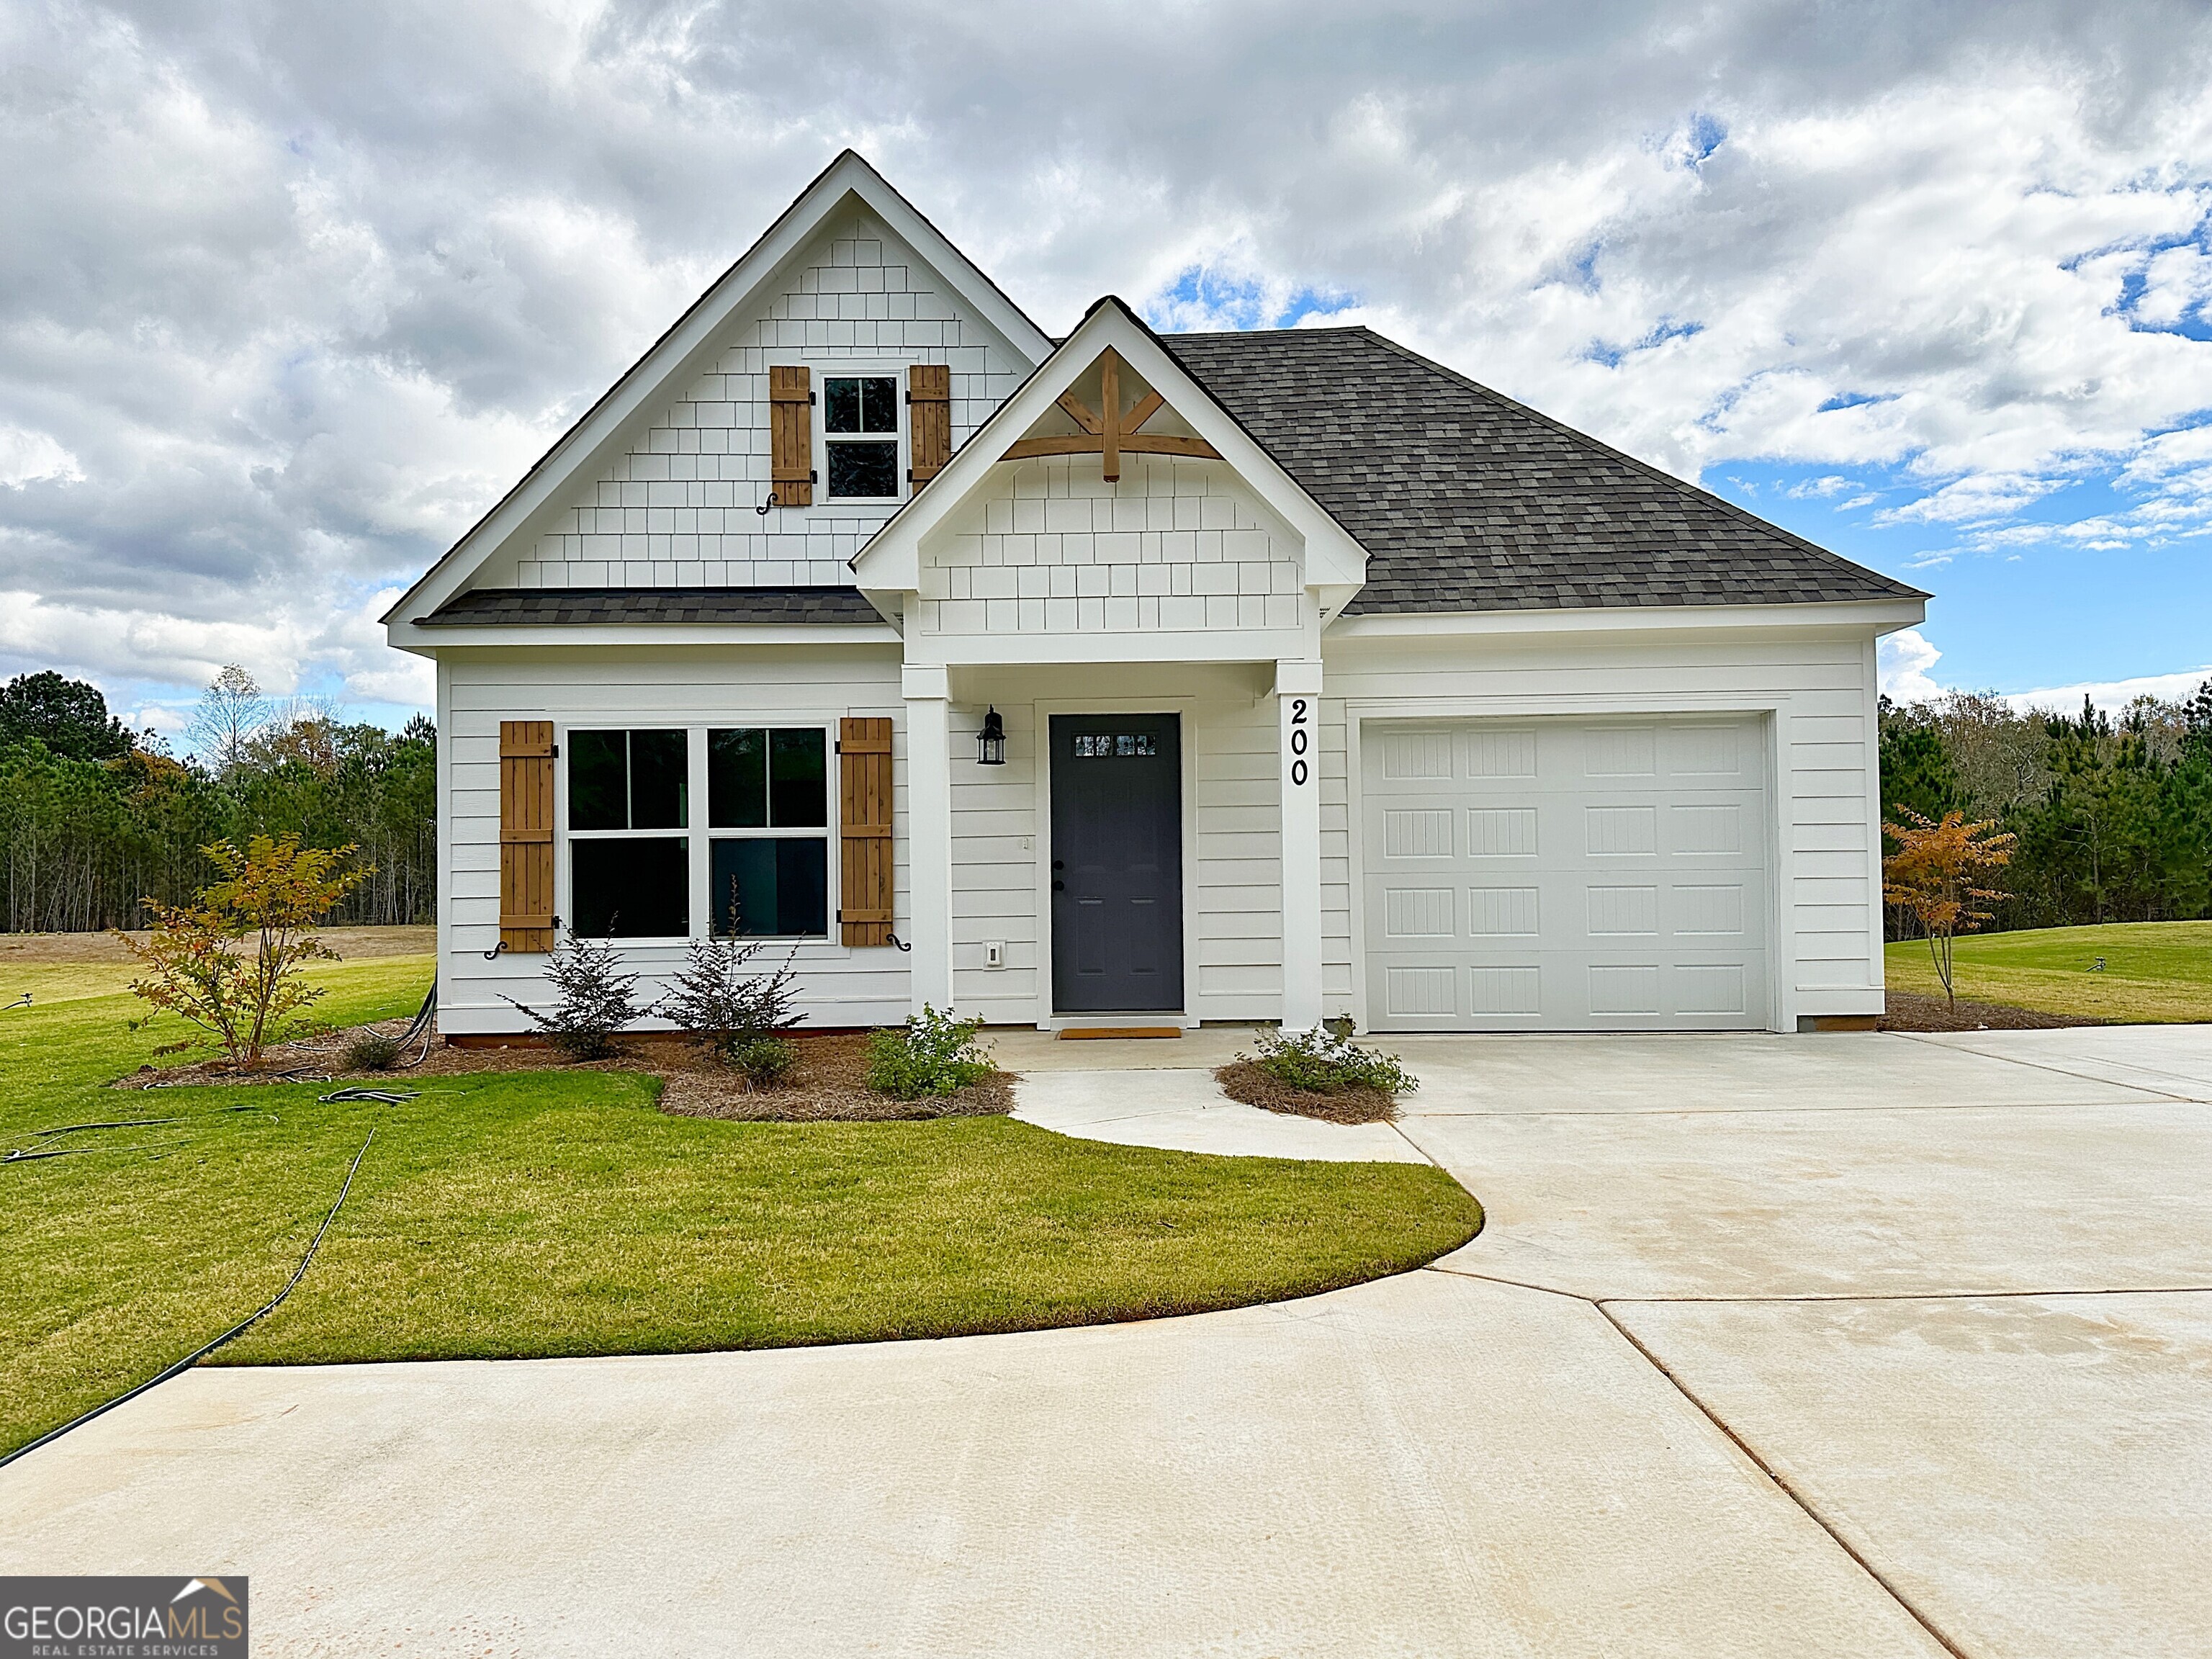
x=1176, y=546
x=669, y=686
x=679, y=510
x=1816, y=689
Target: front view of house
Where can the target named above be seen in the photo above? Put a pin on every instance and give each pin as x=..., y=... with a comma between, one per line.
x=1133, y=678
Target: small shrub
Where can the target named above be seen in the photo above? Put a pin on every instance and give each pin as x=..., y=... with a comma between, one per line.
x=764, y=1060
x=731, y=1011
x=597, y=999
x=932, y=1053
x=199, y=965
x=371, y=1051
x=1323, y=1062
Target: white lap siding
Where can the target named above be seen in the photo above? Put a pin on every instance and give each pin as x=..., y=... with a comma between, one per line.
x=1816, y=689
x=669, y=686
x=1001, y=831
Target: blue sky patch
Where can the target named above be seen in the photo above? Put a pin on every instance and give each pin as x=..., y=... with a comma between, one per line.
x=2080, y=583
x=1245, y=302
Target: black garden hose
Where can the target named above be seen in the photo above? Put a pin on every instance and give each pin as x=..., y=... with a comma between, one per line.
x=420, y=1027
x=232, y=1335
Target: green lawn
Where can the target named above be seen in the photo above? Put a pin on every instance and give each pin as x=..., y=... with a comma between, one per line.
x=560, y=1213
x=2155, y=972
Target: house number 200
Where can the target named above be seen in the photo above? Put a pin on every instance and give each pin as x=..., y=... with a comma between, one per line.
x=1300, y=741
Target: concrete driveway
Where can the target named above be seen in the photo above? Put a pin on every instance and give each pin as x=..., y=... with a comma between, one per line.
x=1845, y=1345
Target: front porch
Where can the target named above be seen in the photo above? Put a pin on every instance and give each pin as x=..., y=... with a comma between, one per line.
x=1214, y=915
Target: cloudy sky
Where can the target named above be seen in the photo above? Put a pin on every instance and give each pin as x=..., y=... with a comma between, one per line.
x=289, y=293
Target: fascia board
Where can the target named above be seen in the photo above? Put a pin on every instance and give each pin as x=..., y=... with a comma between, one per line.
x=891, y=561
x=429, y=641
x=1877, y=616
x=678, y=355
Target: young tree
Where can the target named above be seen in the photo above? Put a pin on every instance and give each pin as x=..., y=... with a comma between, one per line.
x=232, y=713
x=1935, y=873
x=274, y=892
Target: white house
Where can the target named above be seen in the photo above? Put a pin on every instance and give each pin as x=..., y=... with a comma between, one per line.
x=1329, y=681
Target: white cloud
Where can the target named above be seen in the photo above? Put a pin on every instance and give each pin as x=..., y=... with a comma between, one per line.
x=2113, y=695
x=1901, y=662
x=282, y=308
x=29, y=458
x=1982, y=499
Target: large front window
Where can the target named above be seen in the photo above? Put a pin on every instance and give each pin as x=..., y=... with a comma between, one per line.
x=773, y=783
x=860, y=429
x=624, y=883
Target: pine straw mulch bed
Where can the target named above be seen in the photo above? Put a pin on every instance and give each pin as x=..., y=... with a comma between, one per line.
x=824, y=1086
x=1915, y=1011
x=1256, y=1085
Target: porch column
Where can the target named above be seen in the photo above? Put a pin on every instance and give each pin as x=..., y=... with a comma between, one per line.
x=1298, y=704
x=929, y=834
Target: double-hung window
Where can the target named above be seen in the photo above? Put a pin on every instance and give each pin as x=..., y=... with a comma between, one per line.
x=859, y=430
x=625, y=878
x=771, y=785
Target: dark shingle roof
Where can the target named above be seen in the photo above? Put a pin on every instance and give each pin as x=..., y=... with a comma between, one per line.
x=529, y=606
x=1467, y=501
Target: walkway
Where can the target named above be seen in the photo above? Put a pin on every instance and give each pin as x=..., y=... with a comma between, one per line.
x=1814, y=1345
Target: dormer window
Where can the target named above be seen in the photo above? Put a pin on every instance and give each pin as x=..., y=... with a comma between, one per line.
x=859, y=429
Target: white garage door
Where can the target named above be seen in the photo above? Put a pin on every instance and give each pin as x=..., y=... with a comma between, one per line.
x=1565, y=875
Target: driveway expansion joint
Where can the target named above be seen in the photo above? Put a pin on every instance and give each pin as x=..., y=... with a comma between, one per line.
x=1935, y=1631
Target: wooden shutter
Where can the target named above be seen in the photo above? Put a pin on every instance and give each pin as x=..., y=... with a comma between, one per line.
x=864, y=831
x=790, y=436
x=929, y=420
x=526, y=835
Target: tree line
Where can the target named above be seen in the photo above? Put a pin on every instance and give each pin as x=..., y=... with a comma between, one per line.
x=2113, y=816
x=96, y=820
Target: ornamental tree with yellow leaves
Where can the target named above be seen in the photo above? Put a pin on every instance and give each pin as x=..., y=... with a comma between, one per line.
x=232, y=962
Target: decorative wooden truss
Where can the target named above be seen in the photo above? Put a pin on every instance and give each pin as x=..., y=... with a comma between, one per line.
x=1113, y=431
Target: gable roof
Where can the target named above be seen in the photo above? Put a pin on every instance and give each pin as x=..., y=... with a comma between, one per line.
x=889, y=563
x=1467, y=501
x=679, y=353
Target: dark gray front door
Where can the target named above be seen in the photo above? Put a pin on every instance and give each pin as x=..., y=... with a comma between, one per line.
x=1116, y=863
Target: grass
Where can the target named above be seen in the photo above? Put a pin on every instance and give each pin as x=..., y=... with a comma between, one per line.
x=540, y=1213
x=2155, y=972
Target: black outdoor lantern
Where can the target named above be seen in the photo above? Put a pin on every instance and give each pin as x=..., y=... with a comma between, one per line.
x=991, y=741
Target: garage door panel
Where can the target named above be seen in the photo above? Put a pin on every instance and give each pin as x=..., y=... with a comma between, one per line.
x=1566, y=875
